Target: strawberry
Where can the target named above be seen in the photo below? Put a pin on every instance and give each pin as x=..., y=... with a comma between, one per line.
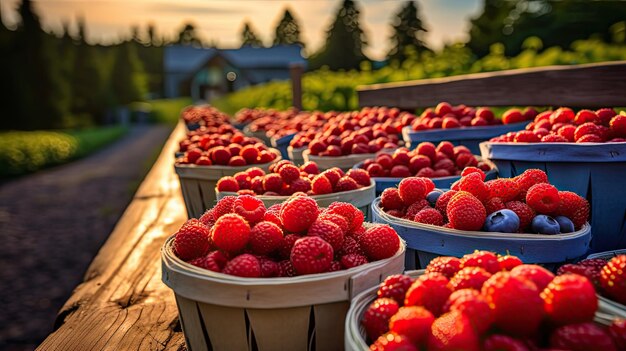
x=499, y=342
x=483, y=259
x=465, y=211
x=311, y=255
x=393, y=342
x=474, y=305
x=213, y=261
x=469, y=278
x=413, y=322
x=250, y=208
x=429, y=216
x=298, y=213
x=581, y=337
x=566, y=291
x=574, y=207
x=380, y=241
x=265, y=238
x=523, y=211
x=540, y=276
x=543, y=198
x=430, y=290
x=395, y=287
x=191, y=240
x=509, y=262
x=473, y=184
x=453, y=331
x=328, y=231
x=376, y=317
x=613, y=279
x=245, y=265
x=411, y=190
x=504, y=188
x=509, y=296
x=448, y=266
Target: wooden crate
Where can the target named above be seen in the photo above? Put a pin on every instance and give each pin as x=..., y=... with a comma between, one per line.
x=223, y=312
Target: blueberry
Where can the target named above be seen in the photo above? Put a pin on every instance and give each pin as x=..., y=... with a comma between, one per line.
x=504, y=221
x=433, y=196
x=543, y=224
x=566, y=224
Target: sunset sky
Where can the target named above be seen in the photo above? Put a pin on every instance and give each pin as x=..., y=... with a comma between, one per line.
x=222, y=20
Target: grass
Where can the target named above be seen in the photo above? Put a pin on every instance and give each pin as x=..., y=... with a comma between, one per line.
x=26, y=152
x=168, y=110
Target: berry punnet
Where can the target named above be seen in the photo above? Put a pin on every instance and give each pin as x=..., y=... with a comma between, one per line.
x=239, y=236
x=527, y=203
x=523, y=308
x=608, y=276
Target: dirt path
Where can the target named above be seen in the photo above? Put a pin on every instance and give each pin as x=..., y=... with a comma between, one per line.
x=52, y=224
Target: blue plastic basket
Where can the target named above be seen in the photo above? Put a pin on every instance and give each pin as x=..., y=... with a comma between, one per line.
x=594, y=171
x=282, y=144
x=471, y=137
x=383, y=183
x=240, y=126
x=425, y=242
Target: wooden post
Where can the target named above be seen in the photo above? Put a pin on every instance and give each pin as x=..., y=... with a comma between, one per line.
x=295, y=72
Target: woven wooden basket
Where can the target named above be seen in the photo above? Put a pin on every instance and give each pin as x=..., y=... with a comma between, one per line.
x=223, y=312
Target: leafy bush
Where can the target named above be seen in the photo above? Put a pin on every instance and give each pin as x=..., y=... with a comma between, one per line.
x=167, y=110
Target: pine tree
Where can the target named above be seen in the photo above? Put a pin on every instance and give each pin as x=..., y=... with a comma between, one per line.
x=188, y=35
x=288, y=31
x=408, y=29
x=248, y=37
x=344, y=42
x=128, y=80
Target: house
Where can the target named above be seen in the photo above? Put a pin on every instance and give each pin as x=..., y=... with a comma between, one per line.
x=206, y=73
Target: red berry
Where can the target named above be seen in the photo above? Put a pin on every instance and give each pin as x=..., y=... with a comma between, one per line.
x=321, y=185
x=427, y=149
x=395, y=287
x=577, y=269
x=413, y=322
x=574, y=207
x=213, y=261
x=469, y=278
x=249, y=153
x=390, y=199
x=498, y=342
x=311, y=254
x=230, y=233
x=469, y=170
x=473, y=184
x=289, y=173
x=581, y=337
x=245, y=265
x=562, y=115
x=429, y=216
x=540, y=276
x=465, y=212
x=237, y=161
x=525, y=136
x=265, y=238
x=272, y=182
x=566, y=291
x=494, y=204
x=328, y=231
x=543, y=198
x=354, y=216
x=474, y=305
x=584, y=116
x=346, y=184
x=529, y=178
x=617, y=330
x=376, y=317
x=618, y=125
x=223, y=206
x=442, y=202
x=448, y=266
x=285, y=269
x=360, y=176
x=191, y=240
x=453, y=331
x=353, y=260
x=523, y=211
x=613, y=279
x=228, y=184
x=430, y=290
x=584, y=129
x=590, y=138
x=415, y=207
x=298, y=213
x=250, y=208
x=379, y=242
x=509, y=262
x=269, y=268
x=504, y=188
x=393, y=342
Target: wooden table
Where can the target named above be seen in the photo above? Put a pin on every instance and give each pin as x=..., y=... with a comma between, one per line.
x=122, y=303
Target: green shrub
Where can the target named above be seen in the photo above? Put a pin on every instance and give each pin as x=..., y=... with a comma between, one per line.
x=167, y=110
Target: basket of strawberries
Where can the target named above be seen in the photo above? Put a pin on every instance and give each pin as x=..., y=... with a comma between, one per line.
x=285, y=178
x=198, y=116
x=483, y=302
x=249, y=277
x=582, y=152
x=527, y=217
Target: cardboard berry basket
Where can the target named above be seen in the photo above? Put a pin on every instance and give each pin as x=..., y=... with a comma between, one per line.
x=282, y=144
x=383, y=183
x=198, y=183
x=607, y=255
x=361, y=198
x=343, y=162
x=355, y=335
x=595, y=171
x=295, y=154
x=468, y=136
x=425, y=242
x=224, y=312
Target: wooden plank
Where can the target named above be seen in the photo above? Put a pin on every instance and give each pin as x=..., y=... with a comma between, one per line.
x=589, y=85
x=122, y=303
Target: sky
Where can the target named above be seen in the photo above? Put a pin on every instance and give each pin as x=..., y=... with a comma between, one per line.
x=221, y=21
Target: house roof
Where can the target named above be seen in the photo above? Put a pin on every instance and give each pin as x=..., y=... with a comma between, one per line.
x=187, y=59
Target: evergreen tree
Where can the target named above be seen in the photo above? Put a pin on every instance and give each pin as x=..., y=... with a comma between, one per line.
x=188, y=36
x=344, y=42
x=152, y=38
x=8, y=97
x=288, y=31
x=408, y=29
x=248, y=37
x=128, y=80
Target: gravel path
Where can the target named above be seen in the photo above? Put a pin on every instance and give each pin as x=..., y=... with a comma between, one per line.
x=53, y=223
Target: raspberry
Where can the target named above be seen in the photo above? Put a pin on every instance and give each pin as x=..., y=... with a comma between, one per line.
x=585, y=116
x=352, y=260
x=448, y=266
x=334, y=266
x=339, y=220
x=413, y=322
x=429, y=216
x=469, y=278
x=380, y=241
x=543, y=198
x=255, y=172
x=272, y=214
x=246, y=192
x=213, y=261
x=418, y=162
x=526, y=137
x=523, y=211
x=300, y=185
x=593, y=263
x=574, y=207
x=554, y=138
x=618, y=125
x=465, y=211
x=269, y=268
x=328, y=231
x=473, y=184
x=265, y=238
x=540, y=276
x=332, y=175
x=191, y=240
x=504, y=188
x=517, y=307
x=483, y=259
x=360, y=176
x=236, y=161
x=395, y=287
x=496, y=342
x=350, y=246
x=298, y=213
x=474, y=305
x=376, y=318
x=393, y=341
x=509, y=262
x=585, y=128
x=453, y=331
x=310, y=168
x=617, y=330
x=354, y=216
x=581, y=337
x=285, y=269
x=346, y=184
x=390, y=199
x=245, y=265
x=442, y=202
x=311, y=254
x=321, y=185
x=566, y=291
x=430, y=290
x=272, y=182
x=208, y=218
x=562, y=115
x=411, y=190
x=396, y=213
x=249, y=153
x=250, y=208
x=228, y=184
x=415, y=207
x=427, y=149
x=230, y=233
x=468, y=170
x=590, y=138
x=289, y=173
x=275, y=168
x=613, y=279
x=494, y=204
x=577, y=269
x=529, y=178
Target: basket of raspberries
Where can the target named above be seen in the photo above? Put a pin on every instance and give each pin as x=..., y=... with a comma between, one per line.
x=242, y=270
x=204, y=158
x=483, y=302
x=463, y=125
x=581, y=151
x=285, y=179
x=196, y=117
x=442, y=163
x=525, y=216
